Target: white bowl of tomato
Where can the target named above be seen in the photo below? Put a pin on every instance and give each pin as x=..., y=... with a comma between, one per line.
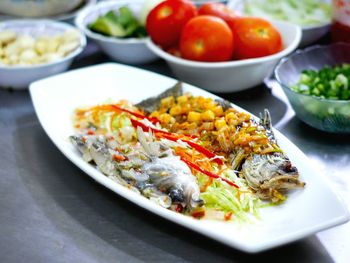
x=212, y=48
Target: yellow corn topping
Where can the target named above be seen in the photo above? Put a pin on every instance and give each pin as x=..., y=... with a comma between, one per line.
x=219, y=129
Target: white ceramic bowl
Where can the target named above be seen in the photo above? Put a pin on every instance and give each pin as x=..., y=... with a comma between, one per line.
x=233, y=75
x=310, y=33
x=19, y=77
x=130, y=50
x=198, y=3
x=25, y=8
x=63, y=17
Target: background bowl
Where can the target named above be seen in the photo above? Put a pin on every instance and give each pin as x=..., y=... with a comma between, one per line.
x=235, y=75
x=130, y=50
x=324, y=114
x=19, y=77
x=310, y=33
x=198, y=3
x=25, y=8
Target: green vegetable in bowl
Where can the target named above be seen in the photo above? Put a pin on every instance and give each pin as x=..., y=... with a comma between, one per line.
x=122, y=24
x=300, y=12
x=327, y=83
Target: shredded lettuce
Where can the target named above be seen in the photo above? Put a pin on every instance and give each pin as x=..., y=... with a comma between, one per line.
x=301, y=12
x=241, y=202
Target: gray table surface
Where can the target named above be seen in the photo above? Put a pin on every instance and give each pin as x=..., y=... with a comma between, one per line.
x=50, y=211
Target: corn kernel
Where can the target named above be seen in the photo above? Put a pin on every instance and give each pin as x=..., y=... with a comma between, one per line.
x=208, y=105
x=219, y=124
x=200, y=100
x=168, y=101
x=176, y=110
x=182, y=99
x=207, y=126
x=193, y=116
x=218, y=110
x=186, y=108
x=155, y=114
x=234, y=122
x=208, y=115
x=165, y=118
x=230, y=116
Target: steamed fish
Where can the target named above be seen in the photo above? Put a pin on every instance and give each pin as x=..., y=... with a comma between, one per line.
x=188, y=153
x=149, y=168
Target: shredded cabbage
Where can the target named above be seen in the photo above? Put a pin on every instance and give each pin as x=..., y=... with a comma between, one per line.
x=241, y=202
x=300, y=12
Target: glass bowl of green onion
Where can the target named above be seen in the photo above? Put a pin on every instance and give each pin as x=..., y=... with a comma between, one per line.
x=316, y=81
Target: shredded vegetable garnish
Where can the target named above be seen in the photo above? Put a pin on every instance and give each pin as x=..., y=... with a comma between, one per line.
x=301, y=12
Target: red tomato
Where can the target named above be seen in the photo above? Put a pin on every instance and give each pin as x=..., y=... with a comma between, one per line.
x=206, y=38
x=165, y=22
x=219, y=10
x=255, y=37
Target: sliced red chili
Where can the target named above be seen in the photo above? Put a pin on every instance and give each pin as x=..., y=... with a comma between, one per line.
x=228, y=216
x=119, y=158
x=198, y=213
x=136, y=114
x=173, y=137
x=146, y=128
x=210, y=174
x=197, y=147
x=179, y=208
x=91, y=132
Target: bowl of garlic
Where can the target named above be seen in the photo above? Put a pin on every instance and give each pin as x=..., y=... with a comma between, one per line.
x=35, y=49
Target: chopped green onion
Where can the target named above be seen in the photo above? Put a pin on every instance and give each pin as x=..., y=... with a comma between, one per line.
x=328, y=82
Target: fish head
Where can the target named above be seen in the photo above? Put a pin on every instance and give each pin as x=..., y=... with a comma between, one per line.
x=267, y=173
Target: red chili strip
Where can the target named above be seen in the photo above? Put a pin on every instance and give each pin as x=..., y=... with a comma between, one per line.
x=138, y=115
x=199, y=148
x=210, y=174
x=173, y=137
x=228, y=216
x=204, y=151
x=146, y=128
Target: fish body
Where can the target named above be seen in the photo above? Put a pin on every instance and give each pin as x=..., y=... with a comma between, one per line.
x=267, y=174
x=169, y=173
x=149, y=168
x=94, y=149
